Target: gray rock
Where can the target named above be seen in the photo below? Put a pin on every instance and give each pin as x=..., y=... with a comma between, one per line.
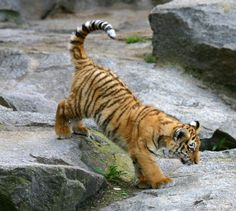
x=44, y=187
x=207, y=186
x=12, y=119
x=199, y=35
x=29, y=102
x=14, y=64
x=39, y=172
x=41, y=9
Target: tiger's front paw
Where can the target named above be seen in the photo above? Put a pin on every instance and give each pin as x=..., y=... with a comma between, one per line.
x=143, y=185
x=63, y=132
x=163, y=183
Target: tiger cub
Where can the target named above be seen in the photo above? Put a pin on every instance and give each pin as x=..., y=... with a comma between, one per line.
x=98, y=93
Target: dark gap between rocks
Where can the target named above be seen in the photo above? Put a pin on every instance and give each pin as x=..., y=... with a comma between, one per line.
x=218, y=142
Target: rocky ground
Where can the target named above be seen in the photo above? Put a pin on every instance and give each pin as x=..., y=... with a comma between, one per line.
x=35, y=74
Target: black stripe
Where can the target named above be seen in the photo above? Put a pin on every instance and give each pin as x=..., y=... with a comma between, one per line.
x=93, y=26
x=80, y=35
x=82, y=86
x=79, y=95
x=76, y=42
x=107, y=104
x=90, y=91
x=123, y=109
x=94, y=92
x=146, y=114
x=107, y=82
x=85, y=29
x=104, y=91
x=159, y=139
x=142, y=112
x=115, y=130
x=110, y=87
x=118, y=100
x=150, y=150
x=107, y=120
x=153, y=139
x=113, y=92
x=101, y=107
x=99, y=25
x=92, y=81
x=101, y=95
x=139, y=112
x=104, y=26
x=119, y=95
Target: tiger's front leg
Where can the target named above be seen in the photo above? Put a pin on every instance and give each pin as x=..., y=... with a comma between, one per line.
x=142, y=180
x=149, y=173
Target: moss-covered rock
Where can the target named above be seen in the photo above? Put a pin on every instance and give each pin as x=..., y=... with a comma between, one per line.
x=101, y=153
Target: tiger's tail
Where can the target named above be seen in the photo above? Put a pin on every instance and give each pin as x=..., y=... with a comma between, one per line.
x=77, y=39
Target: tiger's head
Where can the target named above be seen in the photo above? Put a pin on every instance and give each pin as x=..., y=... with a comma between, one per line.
x=185, y=143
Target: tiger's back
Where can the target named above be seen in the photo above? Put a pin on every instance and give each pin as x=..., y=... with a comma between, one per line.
x=98, y=93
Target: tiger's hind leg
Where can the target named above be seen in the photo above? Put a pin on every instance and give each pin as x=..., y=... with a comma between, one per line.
x=63, y=117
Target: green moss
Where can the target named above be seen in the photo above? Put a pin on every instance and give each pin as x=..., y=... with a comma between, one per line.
x=135, y=39
x=9, y=15
x=113, y=174
x=149, y=58
x=221, y=145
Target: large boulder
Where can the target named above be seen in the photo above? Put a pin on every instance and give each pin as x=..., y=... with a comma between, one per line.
x=199, y=35
x=39, y=172
x=46, y=187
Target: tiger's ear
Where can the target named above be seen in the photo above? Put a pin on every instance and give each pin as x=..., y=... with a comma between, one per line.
x=180, y=133
x=196, y=125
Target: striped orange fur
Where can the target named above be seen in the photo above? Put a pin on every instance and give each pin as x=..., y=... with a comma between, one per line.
x=98, y=93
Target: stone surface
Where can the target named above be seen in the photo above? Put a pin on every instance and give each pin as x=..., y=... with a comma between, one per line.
x=199, y=35
x=41, y=9
x=40, y=172
x=46, y=187
x=207, y=186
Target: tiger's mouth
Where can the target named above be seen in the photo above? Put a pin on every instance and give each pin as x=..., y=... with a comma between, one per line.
x=186, y=162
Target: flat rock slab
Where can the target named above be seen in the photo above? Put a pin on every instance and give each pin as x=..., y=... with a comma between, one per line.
x=39, y=146
x=211, y=185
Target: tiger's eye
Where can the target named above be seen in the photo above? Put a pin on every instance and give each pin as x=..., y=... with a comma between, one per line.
x=191, y=145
